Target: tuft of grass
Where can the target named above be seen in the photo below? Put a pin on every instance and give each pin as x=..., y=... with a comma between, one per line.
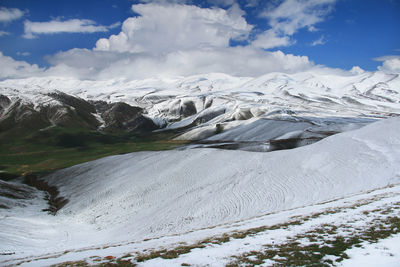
x=71, y=264
x=168, y=254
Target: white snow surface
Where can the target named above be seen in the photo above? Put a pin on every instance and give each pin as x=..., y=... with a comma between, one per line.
x=152, y=194
x=383, y=253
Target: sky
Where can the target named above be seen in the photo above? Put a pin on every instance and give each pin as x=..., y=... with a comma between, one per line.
x=128, y=39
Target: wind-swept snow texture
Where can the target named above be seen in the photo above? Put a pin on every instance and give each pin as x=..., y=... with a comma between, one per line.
x=150, y=194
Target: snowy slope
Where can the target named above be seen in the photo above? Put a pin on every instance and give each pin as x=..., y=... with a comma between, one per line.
x=173, y=191
x=150, y=194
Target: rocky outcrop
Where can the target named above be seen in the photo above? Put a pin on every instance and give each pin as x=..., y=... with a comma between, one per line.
x=118, y=115
x=182, y=108
x=188, y=108
x=54, y=201
x=4, y=102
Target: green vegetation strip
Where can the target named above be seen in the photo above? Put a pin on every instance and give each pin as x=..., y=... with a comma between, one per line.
x=56, y=148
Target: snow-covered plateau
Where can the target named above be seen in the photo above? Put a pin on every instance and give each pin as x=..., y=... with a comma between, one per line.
x=205, y=206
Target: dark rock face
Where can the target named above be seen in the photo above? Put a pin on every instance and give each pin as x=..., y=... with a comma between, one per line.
x=121, y=116
x=118, y=115
x=243, y=114
x=54, y=201
x=208, y=103
x=73, y=112
x=182, y=108
x=75, y=102
x=4, y=102
x=23, y=116
x=141, y=124
x=188, y=108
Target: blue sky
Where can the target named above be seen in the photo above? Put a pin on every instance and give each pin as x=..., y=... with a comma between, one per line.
x=334, y=33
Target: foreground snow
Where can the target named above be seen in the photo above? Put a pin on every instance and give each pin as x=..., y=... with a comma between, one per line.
x=172, y=195
x=247, y=240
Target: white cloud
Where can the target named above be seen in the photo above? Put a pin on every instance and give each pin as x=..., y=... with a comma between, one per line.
x=390, y=64
x=165, y=1
x=239, y=61
x=223, y=3
x=175, y=40
x=10, y=14
x=68, y=26
x=11, y=68
x=292, y=15
x=384, y=58
x=289, y=16
x=25, y=54
x=356, y=70
x=269, y=39
x=2, y=33
x=252, y=3
x=164, y=28
x=319, y=41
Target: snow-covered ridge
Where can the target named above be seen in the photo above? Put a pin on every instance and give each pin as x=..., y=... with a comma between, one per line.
x=368, y=92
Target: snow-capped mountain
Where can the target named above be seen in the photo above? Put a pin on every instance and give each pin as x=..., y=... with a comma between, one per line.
x=197, y=104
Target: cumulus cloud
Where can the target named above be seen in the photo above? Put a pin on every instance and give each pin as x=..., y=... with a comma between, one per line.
x=238, y=61
x=390, y=64
x=176, y=40
x=165, y=28
x=32, y=29
x=10, y=14
x=11, y=68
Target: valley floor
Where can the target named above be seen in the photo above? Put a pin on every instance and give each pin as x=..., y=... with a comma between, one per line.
x=360, y=230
